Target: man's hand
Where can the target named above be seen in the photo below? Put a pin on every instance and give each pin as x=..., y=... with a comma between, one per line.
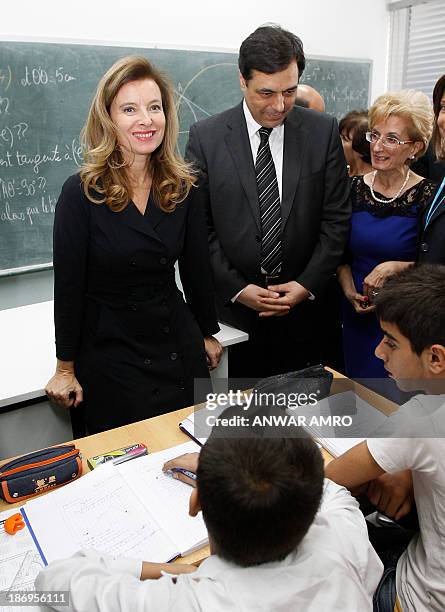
x=392, y=494
x=189, y=462
x=290, y=293
x=214, y=350
x=252, y=296
x=63, y=388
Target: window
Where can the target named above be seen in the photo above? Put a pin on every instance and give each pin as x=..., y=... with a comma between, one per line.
x=417, y=44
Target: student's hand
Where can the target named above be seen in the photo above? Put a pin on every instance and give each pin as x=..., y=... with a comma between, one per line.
x=252, y=296
x=63, y=388
x=291, y=294
x=189, y=462
x=392, y=494
x=214, y=350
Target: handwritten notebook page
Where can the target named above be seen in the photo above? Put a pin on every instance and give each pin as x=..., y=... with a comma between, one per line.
x=167, y=498
x=97, y=511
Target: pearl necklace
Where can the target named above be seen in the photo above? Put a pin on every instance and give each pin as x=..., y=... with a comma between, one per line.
x=397, y=194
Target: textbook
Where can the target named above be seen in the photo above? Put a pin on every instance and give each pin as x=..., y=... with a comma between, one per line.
x=131, y=510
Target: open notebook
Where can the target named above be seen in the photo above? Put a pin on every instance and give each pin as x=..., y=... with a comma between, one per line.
x=131, y=510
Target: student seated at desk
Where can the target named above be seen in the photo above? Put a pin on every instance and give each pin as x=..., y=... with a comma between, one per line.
x=281, y=539
x=411, y=310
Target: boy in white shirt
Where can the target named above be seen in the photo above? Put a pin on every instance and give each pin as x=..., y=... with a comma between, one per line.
x=282, y=538
x=411, y=310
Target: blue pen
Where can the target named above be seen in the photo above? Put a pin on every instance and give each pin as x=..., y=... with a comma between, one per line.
x=191, y=475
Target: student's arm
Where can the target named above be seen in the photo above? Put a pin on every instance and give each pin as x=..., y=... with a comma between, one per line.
x=152, y=571
x=354, y=468
x=100, y=583
x=391, y=494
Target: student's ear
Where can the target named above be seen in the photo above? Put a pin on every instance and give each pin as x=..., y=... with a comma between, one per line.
x=194, y=505
x=436, y=359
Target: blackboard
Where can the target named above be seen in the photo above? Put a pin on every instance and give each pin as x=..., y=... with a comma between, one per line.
x=45, y=92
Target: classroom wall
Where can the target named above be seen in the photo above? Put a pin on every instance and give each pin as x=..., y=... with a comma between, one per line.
x=341, y=28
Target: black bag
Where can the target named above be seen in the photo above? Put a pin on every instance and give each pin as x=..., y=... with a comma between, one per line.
x=312, y=380
x=39, y=471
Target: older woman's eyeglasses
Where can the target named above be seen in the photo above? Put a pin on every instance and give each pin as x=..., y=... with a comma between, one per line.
x=387, y=141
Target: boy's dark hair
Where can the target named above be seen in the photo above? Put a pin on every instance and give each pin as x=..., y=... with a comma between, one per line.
x=270, y=49
x=414, y=300
x=259, y=496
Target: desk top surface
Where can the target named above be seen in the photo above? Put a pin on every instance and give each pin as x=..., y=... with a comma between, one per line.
x=28, y=352
x=159, y=433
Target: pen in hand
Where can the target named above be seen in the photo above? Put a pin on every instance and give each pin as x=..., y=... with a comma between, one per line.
x=183, y=471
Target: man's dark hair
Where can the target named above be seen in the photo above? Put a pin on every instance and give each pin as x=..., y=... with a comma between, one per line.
x=414, y=300
x=270, y=49
x=259, y=496
x=301, y=102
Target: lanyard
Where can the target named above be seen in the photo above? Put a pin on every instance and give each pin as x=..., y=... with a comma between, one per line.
x=432, y=209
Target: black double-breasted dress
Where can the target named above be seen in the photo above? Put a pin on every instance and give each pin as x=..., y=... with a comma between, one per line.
x=136, y=344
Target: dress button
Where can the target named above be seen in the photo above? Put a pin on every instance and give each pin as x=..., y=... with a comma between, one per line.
x=155, y=391
x=134, y=307
x=133, y=264
x=181, y=384
x=166, y=329
x=173, y=356
x=258, y=238
x=163, y=261
x=147, y=361
x=424, y=247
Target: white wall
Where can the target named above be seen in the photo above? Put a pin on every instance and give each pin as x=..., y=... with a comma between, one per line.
x=345, y=28
x=340, y=28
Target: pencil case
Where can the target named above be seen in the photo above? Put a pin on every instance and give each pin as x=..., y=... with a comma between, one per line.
x=40, y=471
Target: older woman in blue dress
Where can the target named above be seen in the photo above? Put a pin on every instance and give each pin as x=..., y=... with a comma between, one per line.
x=386, y=205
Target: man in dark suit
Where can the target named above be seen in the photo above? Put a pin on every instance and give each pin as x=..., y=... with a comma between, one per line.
x=278, y=207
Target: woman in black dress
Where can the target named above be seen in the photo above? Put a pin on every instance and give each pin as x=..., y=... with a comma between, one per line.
x=128, y=346
x=431, y=244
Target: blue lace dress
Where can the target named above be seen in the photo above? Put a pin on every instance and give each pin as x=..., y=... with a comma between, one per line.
x=379, y=233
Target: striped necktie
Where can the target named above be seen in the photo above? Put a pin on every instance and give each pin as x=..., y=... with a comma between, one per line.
x=270, y=207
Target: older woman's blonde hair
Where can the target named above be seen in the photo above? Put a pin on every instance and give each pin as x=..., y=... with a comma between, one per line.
x=103, y=172
x=410, y=104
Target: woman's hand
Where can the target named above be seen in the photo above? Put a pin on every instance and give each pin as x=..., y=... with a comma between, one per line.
x=377, y=277
x=63, y=388
x=214, y=350
x=359, y=302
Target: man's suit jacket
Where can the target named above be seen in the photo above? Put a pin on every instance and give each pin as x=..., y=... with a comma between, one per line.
x=315, y=204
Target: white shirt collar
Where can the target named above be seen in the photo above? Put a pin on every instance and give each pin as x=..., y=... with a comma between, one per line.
x=253, y=126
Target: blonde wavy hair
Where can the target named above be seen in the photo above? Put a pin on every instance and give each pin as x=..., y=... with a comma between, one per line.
x=412, y=105
x=103, y=172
